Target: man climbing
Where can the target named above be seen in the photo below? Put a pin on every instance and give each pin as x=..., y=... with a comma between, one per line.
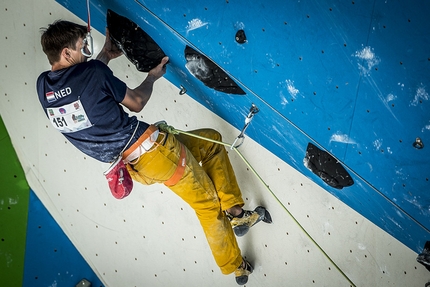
x=83, y=99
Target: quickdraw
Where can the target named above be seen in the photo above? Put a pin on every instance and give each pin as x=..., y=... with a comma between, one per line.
x=252, y=111
x=88, y=48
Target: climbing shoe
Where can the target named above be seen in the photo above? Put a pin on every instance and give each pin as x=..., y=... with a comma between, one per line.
x=242, y=272
x=248, y=218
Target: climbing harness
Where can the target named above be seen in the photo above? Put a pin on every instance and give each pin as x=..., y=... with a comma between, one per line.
x=252, y=111
x=169, y=129
x=142, y=145
x=180, y=168
x=88, y=40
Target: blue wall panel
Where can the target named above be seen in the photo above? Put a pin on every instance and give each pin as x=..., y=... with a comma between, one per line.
x=50, y=257
x=350, y=76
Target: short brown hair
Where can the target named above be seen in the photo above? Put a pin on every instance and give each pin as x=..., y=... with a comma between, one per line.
x=59, y=35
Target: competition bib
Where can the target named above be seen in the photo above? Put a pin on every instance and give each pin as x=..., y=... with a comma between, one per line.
x=69, y=118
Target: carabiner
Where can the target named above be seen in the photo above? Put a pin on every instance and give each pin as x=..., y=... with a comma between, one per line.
x=252, y=111
x=88, y=46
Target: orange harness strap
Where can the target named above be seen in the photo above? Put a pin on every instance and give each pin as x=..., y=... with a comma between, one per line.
x=180, y=169
x=149, y=131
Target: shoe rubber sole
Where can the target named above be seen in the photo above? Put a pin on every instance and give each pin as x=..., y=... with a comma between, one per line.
x=243, y=279
x=263, y=215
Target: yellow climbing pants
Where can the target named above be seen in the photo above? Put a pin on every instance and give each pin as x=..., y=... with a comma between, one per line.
x=209, y=187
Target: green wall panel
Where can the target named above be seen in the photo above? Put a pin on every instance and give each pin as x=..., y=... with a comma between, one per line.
x=14, y=198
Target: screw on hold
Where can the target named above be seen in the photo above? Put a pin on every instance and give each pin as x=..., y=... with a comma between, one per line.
x=183, y=90
x=240, y=37
x=418, y=144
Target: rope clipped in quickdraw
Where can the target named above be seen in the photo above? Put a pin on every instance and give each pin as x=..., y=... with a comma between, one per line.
x=88, y=48
x=252, y=111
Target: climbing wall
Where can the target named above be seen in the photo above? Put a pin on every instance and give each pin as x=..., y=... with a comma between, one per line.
x=152, y=238
x=329, y=73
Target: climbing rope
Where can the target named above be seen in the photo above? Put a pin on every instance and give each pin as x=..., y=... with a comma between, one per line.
x=169, y=129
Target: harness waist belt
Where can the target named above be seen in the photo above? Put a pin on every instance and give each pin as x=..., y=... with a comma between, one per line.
x=142, y=145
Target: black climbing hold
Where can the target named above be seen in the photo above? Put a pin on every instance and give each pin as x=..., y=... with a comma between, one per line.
x=240, y=37
x=327, y=167
x=209, y=73
x=135, y=43
x=424, y=257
